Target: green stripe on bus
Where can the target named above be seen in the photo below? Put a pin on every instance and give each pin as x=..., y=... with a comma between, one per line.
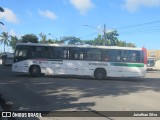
x=128, y=64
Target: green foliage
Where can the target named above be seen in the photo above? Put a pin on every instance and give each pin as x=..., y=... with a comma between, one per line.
x=71, y=40
x=109, y=39
x=50, y=41
x=29, y=38
x=4, y=38
x=43, y=38
x=96, y=41
x=130, y=45
x=13, y=42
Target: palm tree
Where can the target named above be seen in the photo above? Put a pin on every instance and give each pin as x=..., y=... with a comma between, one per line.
x=4, y=38
x=14, y=40
x=43, y=37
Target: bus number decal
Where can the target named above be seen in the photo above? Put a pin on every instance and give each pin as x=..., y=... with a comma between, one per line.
x=98, y=64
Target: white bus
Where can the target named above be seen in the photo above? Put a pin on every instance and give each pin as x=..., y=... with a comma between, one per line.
x=84, y=60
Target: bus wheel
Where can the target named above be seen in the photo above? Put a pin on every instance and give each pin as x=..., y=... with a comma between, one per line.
x=35, y=71
x=100, y=73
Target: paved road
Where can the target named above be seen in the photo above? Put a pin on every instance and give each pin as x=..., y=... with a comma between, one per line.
x=50, y=93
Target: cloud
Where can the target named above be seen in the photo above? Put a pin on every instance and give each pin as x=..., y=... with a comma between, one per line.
x=82, y=5
x=29, y=13
x=48, y=14
x=134, y=5
x=12, y=32
x=3, y=28
x=9, y=16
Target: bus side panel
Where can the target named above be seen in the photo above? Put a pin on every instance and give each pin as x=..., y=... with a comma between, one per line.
x=119, y=69
x=89, y=67
x=134, y=71
x=74, y=67
x=114, y=70
x=55, y=67
x=22, y=66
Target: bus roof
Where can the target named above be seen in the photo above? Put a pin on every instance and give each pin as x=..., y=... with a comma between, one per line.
x=82, y=46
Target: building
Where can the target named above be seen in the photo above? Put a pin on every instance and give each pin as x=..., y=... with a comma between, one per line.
x=153, y=53
x=156, y=55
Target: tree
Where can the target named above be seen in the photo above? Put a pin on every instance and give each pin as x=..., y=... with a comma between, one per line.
x=13, y=42
x=130, y=45
x=50, y=41
x=89, y=42
x=111, y=38
x=71, y=40
x=4, y=38
x=43, y=38
x=122, y=43
x=29, y=38
x=98, y=41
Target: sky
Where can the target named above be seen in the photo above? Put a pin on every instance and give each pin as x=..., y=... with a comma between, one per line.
x=137, y=21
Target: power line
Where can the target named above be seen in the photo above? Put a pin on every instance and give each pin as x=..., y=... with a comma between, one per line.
x=142, y=31
x=88, y=35
x=137, y=25
x=143, y=28
x=140, y=28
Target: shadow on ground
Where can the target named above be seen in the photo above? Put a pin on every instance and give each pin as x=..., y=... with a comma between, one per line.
x=52, y=93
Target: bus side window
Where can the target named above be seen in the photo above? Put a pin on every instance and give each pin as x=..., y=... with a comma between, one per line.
x=94, y=54
x=46, y=52
x=115, y=55
x=131, y=56
x=138, y=57
x=76, y=54
x=81, y=56
x=135, y=57
x=105, y=56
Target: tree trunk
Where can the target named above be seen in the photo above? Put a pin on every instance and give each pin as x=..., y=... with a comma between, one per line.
x=4, y=47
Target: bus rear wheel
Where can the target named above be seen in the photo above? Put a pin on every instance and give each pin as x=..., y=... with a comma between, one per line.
x=35, y=71
x=100, y=74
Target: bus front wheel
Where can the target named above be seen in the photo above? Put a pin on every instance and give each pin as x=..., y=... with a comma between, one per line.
x=35, y=71
x=100, y=73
